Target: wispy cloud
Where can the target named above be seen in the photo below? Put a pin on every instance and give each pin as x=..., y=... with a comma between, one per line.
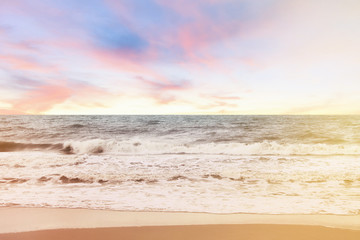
x=14, y=62
x=163, y=92
x=60, y=53
x=161, y=86
x=41, y=98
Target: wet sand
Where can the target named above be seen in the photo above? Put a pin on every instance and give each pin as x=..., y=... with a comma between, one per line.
x=199, y=232
x=42, y=223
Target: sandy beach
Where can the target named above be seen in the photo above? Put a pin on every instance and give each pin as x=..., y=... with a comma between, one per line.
x=179, y=120
x=41, y=223
x=199, y=232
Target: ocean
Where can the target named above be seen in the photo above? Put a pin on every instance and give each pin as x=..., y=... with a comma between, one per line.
x=214, y=164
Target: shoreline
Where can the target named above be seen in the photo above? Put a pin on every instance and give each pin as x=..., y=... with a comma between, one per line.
x=14, y=219
x=62, y=223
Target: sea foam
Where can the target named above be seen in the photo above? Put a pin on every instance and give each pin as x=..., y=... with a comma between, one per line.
x=168, y=147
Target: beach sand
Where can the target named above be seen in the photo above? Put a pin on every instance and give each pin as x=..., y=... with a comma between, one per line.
x=56, y=224
x=199, y=232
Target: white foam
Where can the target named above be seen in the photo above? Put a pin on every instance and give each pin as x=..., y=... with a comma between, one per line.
x=153, y=146
x=209, y=183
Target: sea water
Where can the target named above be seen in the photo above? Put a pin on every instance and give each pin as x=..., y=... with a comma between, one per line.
x=215, y=164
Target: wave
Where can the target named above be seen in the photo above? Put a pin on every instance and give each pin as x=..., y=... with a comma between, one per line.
x=90, y=179
x=77, y=125
x=97, y=146
x=153, y=122
x=15, y=146
x=13, y=180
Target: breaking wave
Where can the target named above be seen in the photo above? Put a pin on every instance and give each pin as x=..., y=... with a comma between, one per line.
x=15, y=146
x=97, y=146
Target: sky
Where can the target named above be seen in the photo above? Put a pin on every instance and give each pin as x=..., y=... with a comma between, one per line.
x=180, y=57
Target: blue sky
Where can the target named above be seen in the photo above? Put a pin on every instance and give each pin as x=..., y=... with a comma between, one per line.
x=179, y=57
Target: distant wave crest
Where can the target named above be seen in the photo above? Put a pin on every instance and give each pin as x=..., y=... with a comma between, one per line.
x=99, y=146
x=77, y=125
x=152, y=147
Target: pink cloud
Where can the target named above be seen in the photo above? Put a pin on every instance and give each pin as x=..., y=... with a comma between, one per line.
x=163, y=93
x=227, y=97
x=86, y=95
x=195, y=31
x=23, y=45
x=163, y=100
x=201, y=28
x=42, y=98
x=11, y=112
x=160, y=86
x=121, y=62
x=25, y=63
x=217, y=104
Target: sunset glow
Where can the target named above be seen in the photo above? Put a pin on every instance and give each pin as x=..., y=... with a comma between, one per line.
x=179, y=57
